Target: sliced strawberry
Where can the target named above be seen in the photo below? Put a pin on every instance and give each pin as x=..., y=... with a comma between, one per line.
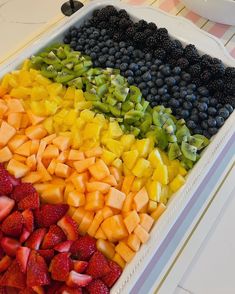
x=5, y=263
x=35, y=239
x=10, y=245
x=38, y=289
x=113, y=275
x=13, y=224
x=6, y=186
x=54, y=236
x=80, y=266
x=68, y=290
x=31, y=201
x=83, y=248
x=69, y=226
x=27, y=291
x=23, y=190
x=15, y=182
x=6, y=205
x=64, y=246
x=52, y=213
x=74, y=279
x=37, y=271
x=97, y=286
x=24, y=236
x=54, y=287
x=22, y=256
x=2, y=253
x=3, y=290
x=37, y=217
x=60, y=266
x=98, y=265
x=13, y=277
x=47, y=254
x=28, y=220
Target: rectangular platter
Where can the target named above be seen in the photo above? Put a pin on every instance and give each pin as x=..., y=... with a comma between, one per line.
x=181, y=204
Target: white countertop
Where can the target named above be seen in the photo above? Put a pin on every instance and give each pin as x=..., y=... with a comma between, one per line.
x=211, y=271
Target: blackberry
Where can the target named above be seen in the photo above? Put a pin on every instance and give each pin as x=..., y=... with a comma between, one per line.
x=191, y=53
x=148, y=33
x=230, y=72
x=216, y=85
x=130, y=32
x=152, y=26
x=114, y=20
x=195, y=70
x=230, y=88
x=197, y=81
x=176, y=52
x=218, y=70
x=168, y=45
x=111, y=31
x=182, y=63
x=139, y=37
x=205, y=76
x=228, y=100
x=95, y=12
x=117, y=37
x=151, y=41
x=162, y=32
x=142, y=25
x=160, y=53
x=178, y=44
x=103, y=14
x=103, y=25
x=124, y=23
x=172, y=61
x=206, y=61
x=123, y=13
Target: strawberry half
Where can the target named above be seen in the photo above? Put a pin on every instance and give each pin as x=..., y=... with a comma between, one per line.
x=54, y=287
x=13, y=224
x=35, y=239
x=22, y=256
x=98, y=265
x=97, y=286
x=27, y=291
x=80, y=280
x=31, y=201
x=60, y=267
x=24, y=236
x=80, y=266
x=13, y=277
x=83, y=248
x=10, y=245
x=69, y=226
x=6, y=185
x=54, y=236
x=23, y=190
x=113, y=275
x=51, y=213
x=37, y=271
x=67, y=290
x=64, y=246
x=47, y=254
x=5, y=263
x=28, y=220
x=6, y=205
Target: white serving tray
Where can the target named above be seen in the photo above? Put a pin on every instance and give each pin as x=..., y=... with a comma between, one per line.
x=181, y=203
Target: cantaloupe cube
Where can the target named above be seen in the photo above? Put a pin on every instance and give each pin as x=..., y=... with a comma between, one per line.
x=138, y=184
x=124, y=251
x=62, y=142
x=140, y=168
x=116, y=173
x=14, y=119
x=152, y=205
x=131, y=221
x=62, y=170
x=114, y=228
x=154, y=190
x=40, y=187
x=141, y=199
x=159, y=211
x=76, y=199
x=100, y=234
x=71, y=211
x=94, y=201
x=32, y=177
x=141, y=234
x=143, y=209
x=52, y=194
x=16, y=141
x=19, y=158
x=34, y=146
x=133, y=242
x=97, y=186
x=106, y=247
x=177, y=183
x=62, y=158
x=24, y=121
x=6, y=133
x=161, y=174
x=79, y=182
x=127, y=205
x=51, y=167
x=99, y=170
x=35, y=132
x=14, y=105
x=107, y=212
x=3, y=108
x=97, y=220
x=79, y=214
x=34, y=119
x=41, y=149
x=110, y=179
x=127, y=183
x=86, y=222
x=76, y=155
x=115, y=198
x=48, y=139
x=83, y=165
x=50, y=152
x=58, y=181
x=96, y=152
x=146, y=221
x=24, y=149
x=68, y=188
x=108, y=157
x=5, y=154
x=41, y=168
x=17, y=169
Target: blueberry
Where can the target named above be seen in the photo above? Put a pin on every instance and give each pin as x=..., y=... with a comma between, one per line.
x=187, y=105
x=93, y=55
x=79, y=48
x=191, y=124
x=123, y=66
x=154, y=67
x=197, y=131
x=170, y=81
x=213, y=102
x=157, y=98
x=145, y=92
x=130, y=80
x=125, y=58
x=103, y=32
x=105, y=50
x=165, y=70
x=219, y=121
x=142, y=85
x=150, y=84
x=73, y=44
x=202, y=115
x=202, y=106
x=109, y=64
x=112, y=51
x=157, y=62
x=111, y=58
x=140, y=63
x=153, y=104
x=203, y=91
x=219, y=105
x=186, y=77
x=174, y=103
x=118, y=54
x=176, y=70
x=177, y=79
x=159, y=82
x=162, y=91
x=96, y=63
x=160, y=75
x=192, y=86
x=211, y=122
x=212, y=111
x=212, y=131
x=206, y=134
x=129, y=73
x=96, y=49
x=229, y=108
x=175, y=88
x=143, y=69
x=148, y=56
x=194, y=111
x=204, y=125
x=176, y=95
x=224, y=113
x=102, y=59
x=205, y=99
x=122, y=44
x=138, y=73
x=190, y=97
x=92, y=43
x=194, y=117
x=182, y=83
x=138, y=79
x=133, y=66
x=147, y=76
x=150, y=97
x=130, y=49
x=183, y=93
x=109, y=43
x=66, y=40
x=184, y=113
x=189, y=91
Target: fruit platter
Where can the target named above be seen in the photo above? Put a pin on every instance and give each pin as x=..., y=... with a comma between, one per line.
x=108, y=126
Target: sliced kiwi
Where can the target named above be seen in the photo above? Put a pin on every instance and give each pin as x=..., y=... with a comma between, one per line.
x=174, y=151
x=91, y=96
x=159, y=119
x=51, y=58
x=186, y=163
x=36, y=61
x=205, y=140
x=135, y=94
x=161, y=138
x=49, y=71
x=189, y=151
x=102, y=90
x=182, y=133
x=197, y=142
x=77, y=83
x=121, y=93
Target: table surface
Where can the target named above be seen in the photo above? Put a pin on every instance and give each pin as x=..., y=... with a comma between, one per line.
x=211, y=269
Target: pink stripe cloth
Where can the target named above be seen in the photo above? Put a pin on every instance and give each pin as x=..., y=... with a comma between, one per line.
x=136, y=2
x=168, y=5
x=192, y=16
x=218, y=30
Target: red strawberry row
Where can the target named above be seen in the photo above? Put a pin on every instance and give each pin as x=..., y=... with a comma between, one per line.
x=41, y=250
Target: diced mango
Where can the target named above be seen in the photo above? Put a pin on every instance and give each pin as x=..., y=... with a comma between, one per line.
x=107, y=212
x=79, y=214
x=97, y=220
x=14, y=119
x=79, y=182
x=83, y=165
x=97, y=186
x=114, y=228
x=86, y=222
x=62, y=170
x=100, y=234
x=152, y=205
x=94, y=201
x=14, y=105
x=127, y=183
x=110, y=180
x=32, y=177
x=99, y=170
x=127, y=205
x=51, y=151
x=96, y=152
x=52, y=194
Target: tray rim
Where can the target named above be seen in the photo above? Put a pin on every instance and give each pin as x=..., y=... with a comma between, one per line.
x=133, y=271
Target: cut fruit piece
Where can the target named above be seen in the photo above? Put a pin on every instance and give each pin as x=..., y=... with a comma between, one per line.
x=62, y=170
x=76, y=155
x=155, y=158
x=114, y=228
x=141, y=199
x=177, y=183
x=52, y=194
x=6, y=206
x=78, y=215
x=5, y=262
x=83, y=165
x=86, y=222
x=17, y=141
x=94, y=201
x=36, y=238
x=97, y=220
x=35, y=132
x=100, y=234
x=9, y=246
x=78, y=280
x=98, y=265
x=83, y=248
x=127, y=183
x=158, y=212
x=124, y=251
x=14, y=119
x=131, y=221
x=161, y=174
x=76, y=199
x=154, y=190
x=107, y=212
x=32, y=177
x=94, y=152
x=119, y=260
x=5, y=154
x=69, y=226
x=6, y=133
x=140, y=168
x=79, y=181
x=97, y=186
x=146, y=221
x=115, y=198
x=22, y=255
x=50, y=152
x=99, y=170
x=133, y=242
x=141, y=234
x=80, y=266
x=62, y=142
x=17, y=169
x=106, y=247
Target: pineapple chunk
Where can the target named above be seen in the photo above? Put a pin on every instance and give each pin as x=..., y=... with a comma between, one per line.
x=114, y=130
x=141, y=167
x=143, y=147
x=129, y=158
x=161, y=174
x=127, y=141
x=154, y=190
x=155, y=158
x=177, y=183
